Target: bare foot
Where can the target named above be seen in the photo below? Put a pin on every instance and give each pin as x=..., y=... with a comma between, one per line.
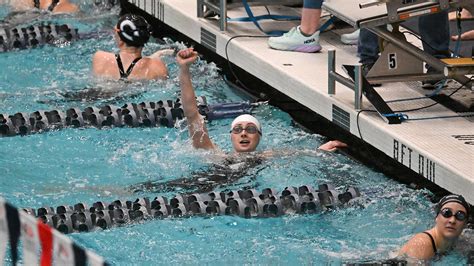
x=466, y=36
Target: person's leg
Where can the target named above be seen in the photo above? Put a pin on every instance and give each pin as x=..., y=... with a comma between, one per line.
x=466, y=36
x=434, y=31
x=310, y=16
x=368, y=47
x=368, y=51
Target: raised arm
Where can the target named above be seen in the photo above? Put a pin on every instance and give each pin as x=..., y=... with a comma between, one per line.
x=196, y=126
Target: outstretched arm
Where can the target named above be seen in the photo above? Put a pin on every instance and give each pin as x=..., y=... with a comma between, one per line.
x=196, y=126
x=332, y=145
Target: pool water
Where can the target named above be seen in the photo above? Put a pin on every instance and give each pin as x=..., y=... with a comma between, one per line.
x=87, y=165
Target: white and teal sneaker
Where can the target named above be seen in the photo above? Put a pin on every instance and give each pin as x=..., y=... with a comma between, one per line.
x=350, y=38
x=294, y=40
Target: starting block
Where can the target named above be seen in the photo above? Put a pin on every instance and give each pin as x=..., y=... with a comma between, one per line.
x=400, y=60
x=458, y=66
x=361, y=86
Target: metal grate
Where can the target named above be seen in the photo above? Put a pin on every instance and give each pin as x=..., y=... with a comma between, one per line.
x=208, y=39
x=158, y=10
x=341, y=118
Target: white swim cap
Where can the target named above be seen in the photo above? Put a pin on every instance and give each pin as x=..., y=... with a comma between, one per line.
x=246, y=118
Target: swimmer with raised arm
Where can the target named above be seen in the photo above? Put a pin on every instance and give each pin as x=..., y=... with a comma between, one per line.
x=246, y=130
x=132, y=32
x=452, y=213
x=245, y=134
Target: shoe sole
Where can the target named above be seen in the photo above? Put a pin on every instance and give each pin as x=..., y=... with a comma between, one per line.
x=349, y=41
x=299, y=48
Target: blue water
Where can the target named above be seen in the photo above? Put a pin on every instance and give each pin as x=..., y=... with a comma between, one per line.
x=87, y=165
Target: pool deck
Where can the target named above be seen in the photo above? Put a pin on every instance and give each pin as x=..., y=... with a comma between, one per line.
x=441, y=150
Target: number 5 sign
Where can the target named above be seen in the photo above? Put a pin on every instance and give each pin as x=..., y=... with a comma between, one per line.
x=392, y=61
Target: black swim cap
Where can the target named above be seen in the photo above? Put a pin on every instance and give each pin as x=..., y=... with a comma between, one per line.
x=453, y=198
x=133, y=30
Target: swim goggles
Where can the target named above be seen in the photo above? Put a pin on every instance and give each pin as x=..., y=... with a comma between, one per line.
x=249, y=129
x=459, y=215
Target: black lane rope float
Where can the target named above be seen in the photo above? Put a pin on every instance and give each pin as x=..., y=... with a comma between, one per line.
x=14, y=37
x=36, y=35
x=145, y=114
x=244, y=203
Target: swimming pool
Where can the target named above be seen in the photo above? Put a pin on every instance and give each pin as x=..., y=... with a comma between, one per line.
x=87, y=165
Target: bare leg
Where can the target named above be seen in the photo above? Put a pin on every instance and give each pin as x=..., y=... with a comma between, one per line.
x=310, y=20
x=465, y=14
x=466, y=36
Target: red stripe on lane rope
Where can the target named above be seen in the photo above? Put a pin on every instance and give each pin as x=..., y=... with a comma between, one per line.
x=46, y=239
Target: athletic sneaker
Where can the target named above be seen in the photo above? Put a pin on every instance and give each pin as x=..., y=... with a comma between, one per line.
x=432, y=84
x=294, y=40
x=350, y=38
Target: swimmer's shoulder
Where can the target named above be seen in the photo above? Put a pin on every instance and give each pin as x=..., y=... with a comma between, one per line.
x=156, y=68
x=66, y=8
x=101, y=54
x=418, y=247
x=101, y=63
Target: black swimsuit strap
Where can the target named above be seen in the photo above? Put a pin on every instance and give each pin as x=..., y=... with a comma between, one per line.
x=432, y=242
x=50, y=8
x=53, y=5
x=123, y=74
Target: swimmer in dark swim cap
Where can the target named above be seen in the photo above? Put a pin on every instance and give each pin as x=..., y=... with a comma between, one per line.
x=132, y=32
x=452, y=214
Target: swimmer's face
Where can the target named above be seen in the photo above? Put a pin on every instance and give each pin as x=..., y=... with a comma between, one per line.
x=245, y=137
x=450, y=227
